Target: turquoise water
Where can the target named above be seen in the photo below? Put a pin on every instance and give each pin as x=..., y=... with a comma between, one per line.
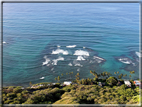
x=48, y=39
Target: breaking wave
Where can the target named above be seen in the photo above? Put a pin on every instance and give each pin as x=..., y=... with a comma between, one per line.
x=71, y=46
x=58, y=46
x=4, y=42
x=78, y=69
x=80, y=58
x=52, y=69
x=84, y=47
x=78, y=64
x=47, y=60
x=138, y=54
x=98, y=59
x=81, y=52
x=42, y=78
x=47, y=64
x=125, y=60
x=58, y=51
x=70, y=64
x=56, y=60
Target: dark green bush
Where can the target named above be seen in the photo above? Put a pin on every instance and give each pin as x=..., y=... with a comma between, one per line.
x=85, y=92
x=112, y=81
x=17, y=89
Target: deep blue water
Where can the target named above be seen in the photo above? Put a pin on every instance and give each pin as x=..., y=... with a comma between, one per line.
x=38, y=36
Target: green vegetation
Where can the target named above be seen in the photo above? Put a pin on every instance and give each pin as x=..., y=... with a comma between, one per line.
x=112, y=81
x=132, y=72
x=84, y=91
x=73, y=94
x=94, y=94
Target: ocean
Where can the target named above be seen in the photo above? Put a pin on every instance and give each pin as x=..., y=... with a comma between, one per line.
x=41, y=41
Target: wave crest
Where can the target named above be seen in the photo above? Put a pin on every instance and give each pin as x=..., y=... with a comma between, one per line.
x=42, y=78
x=58, y=46
x=81, y=52
x=4, y=42
x=138, y=54
x=78, y=64
x=47, y=60
x=125, y=60
x=58, y=51
x=56, y=60
x=80, y=58
x=70, y=64
x=71, y=46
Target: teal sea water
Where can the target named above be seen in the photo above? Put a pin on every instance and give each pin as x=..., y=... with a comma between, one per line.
x=44, y=40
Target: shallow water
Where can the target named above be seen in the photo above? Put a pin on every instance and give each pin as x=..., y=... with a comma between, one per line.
x=57, y=38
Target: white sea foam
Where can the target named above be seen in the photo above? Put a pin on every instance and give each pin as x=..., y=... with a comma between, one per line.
x=46, y=60
x=81, y=52
x=78, y=69
x=125, y=60
x=4, y=42
x=99, y=61
x=70, y=64
x=96, y=57
x=71, y=46
x=60, y=51
x=80, y=58
x=96, y=60
x=91, y=61
x=56, y=60
x=47, y=64
x=84, y=47
x=138, y=54
x=45, y=57
x=42, y=78
x=58, y=46
x=78, y=64
x=52, y=69
x=134, y=64
x=137, y=60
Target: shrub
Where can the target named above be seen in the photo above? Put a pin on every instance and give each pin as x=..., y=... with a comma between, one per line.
x=15, y=102
x=25, y=92
x=10, y=89
x=11, y=95
x=67, y=89
x=57, y=85
x=7, y=101
x=17, y=89
x=112, y=81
